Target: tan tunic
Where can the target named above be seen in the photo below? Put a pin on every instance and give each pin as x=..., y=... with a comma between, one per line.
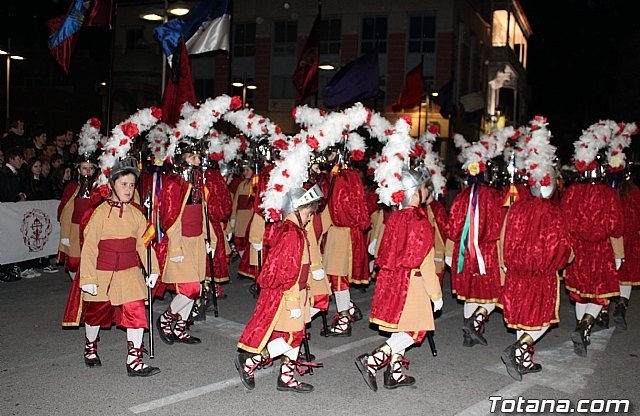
x=417, y=313
x=241, y=216
x=439, y=242
x=121, y=286
x=316, y=287
x=294, y=298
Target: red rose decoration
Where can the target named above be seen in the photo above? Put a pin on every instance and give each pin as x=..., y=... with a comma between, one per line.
x=281, y=144
x=312, y=142
x=433, y=129
x=278, y=187
x=370, y=171
x=546, y=181
x=243, y=144
x=251, y=115
x=129, y=129
x=217, y=156
x=369, y=115
x=533, y=166
x=156, y=112
x=104, y=191
x=357, y=155
x=407, y=119
x=95, y=123
x=293, y=112
x=278, y=130
x=123, y=142
x=397, y=197
x=297, y=141
x=274, y=214
x=236, y=103
x=285, y=173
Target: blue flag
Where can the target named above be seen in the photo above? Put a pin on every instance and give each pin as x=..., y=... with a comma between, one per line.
x=205, y=28
x=357, y=80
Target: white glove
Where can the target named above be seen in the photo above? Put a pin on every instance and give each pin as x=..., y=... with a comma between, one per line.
x=151, y=280
x=232, y=223
x=90, y=288
x=504, y=269
x=437, y=304
x=229, y=236
x=619, y=263
x=296, y=313
x=257, y=246
x=177, y=259
x=210, y=250
x=317, y=274
x=65, y=242
x=372, y=247
x=448, y=260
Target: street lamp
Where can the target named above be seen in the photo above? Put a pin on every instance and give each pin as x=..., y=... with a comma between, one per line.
x=9, y=56
x=245, y=85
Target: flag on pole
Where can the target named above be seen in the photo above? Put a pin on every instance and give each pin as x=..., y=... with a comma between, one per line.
x=206, y=28
x=357, y=80
x=305, y=77
x=179, y=87
x=411, y=93
x=63, y=30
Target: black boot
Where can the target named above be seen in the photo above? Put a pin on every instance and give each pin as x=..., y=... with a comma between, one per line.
x=508, y=357
x=247, y=363
x=602, y=321
x=619, y=306
x=180, y=333
x=341, y=326
x=287, y=381
x=164, y=324
x=394, y=377
x=91, y=358
x=135, y=366
x=580, y=335
x=355, y=312
x=198, y=312
x=474, y=326
x=369, y=364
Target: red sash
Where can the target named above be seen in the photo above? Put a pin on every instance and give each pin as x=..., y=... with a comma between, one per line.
x=243, y=202
x=192, y=220
x=304, y=276
x=117, y=254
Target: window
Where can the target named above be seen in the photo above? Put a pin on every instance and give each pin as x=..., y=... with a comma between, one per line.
x=284, y=39
x=244, y=39
x=422, y=34
x=374, y=30
x=282, y=87
x=507, y=31
x=330, y=34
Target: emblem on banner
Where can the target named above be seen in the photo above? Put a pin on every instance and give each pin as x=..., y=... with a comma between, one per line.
x=36, y=228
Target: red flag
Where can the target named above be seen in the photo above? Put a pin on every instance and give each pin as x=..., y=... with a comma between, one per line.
x=305, y=78
x=179, y=87
x=63, y=30
x=411, y=94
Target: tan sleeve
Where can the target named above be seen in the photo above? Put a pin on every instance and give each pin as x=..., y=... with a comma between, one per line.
x=89, y=254
x=430, y=278
x=448, y=248
x=314, y=249
x=65, y=219
x=618, y=247
x=174, y=234
x=256, y=231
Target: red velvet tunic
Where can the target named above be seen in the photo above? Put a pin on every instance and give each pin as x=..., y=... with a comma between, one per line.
x=592, y=214
x=470, y=285
x=279, y=274
x=408, y=238
x=536, y=246
x=219, y=210
x=630, y=269
x=348, y=208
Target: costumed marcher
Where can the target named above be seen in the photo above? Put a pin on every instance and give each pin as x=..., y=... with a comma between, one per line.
x=253, y=256
x=242, y=208
x=219, y=209
x=345, y=257
x=406, y=285
x=110, y=275
x=618, y=177
x=182, y=250
x=593, y=216
x=475, y=221
x=277, y=326
x=75, y=197
x=530, y=296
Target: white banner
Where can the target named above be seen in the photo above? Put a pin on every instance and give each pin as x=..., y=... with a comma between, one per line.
x=28, y=230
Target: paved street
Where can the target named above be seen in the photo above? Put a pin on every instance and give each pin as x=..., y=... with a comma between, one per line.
x=42, y=369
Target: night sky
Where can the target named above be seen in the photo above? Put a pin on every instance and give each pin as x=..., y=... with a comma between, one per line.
x=583, y=58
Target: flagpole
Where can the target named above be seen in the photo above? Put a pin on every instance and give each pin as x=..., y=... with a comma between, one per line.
x=230, y=55
x=114, y=14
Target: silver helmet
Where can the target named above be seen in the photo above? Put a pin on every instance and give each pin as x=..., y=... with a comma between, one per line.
x=299, y=197
x=411, y=180
x=124, y=166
